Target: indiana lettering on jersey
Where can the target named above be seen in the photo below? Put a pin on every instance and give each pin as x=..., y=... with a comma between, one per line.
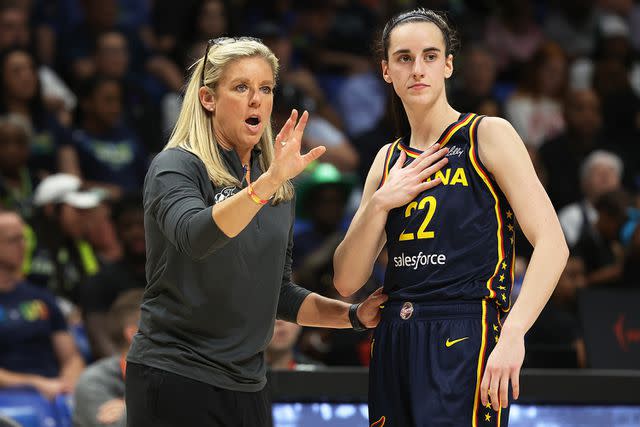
x=457, y=177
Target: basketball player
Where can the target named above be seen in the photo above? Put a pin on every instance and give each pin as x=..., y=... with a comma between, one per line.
x=441, y=354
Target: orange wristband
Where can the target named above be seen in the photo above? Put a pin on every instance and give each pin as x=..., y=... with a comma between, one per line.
x=251, y=191
x=255, y=197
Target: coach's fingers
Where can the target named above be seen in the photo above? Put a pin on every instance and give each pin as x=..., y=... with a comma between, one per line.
x=378, y=291
x=494, y=387
x=313, y=154
x=301, y=125
x=484, y=388
x=504, y=390
x=515, y=383
x=287, y=128
x=380, y=299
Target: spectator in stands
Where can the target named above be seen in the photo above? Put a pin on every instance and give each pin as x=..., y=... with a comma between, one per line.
x=340, y=152
x=208, y=20
x=297, y=74
x=631, y=241
x=101, y=235
x=562, y=156
x=599, y=245
x=621, y=111
x=322, y=197
x=103, y=150
x=474, y=90
x=115, y=279
x=35, y=348
x=281, y=353
x=112, y=60
x=535, y=108
x=16, y=180
x=99, y=394
x=330, y=41
x=555, y=340
x=20, y=94
x=601, y=172
x=60, y=259
x=513, y=36
x=15, y=32
x=573, y=24
x=102, y=16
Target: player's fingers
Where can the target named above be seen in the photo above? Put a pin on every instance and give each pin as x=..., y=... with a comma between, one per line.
x=427, y=172
x=425, y=155
x=401, y=159
x=494, y=386
x=425, y=160
x=428, y=185
x=504, y=390
x=484, y=388
x=515, y=383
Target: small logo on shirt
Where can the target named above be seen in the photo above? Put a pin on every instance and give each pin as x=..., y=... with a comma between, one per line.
x=30, y=311
x=406, y=311
x=455, y=151
x=420, y=260
x=225, y=193
x=449, y=343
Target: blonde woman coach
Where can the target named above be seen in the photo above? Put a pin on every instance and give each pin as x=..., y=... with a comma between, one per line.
x=218, y=223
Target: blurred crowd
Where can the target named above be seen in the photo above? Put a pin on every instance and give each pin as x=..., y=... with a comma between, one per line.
x=90, y=90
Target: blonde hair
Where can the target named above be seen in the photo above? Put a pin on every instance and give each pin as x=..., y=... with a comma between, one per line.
x=194, y=130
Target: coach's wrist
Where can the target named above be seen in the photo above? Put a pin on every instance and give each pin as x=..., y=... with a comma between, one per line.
x=356, y=324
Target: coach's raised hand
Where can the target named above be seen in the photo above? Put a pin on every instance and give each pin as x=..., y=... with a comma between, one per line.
x=288, y=162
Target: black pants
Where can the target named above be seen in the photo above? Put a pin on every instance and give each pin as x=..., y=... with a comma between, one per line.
x=162, y=399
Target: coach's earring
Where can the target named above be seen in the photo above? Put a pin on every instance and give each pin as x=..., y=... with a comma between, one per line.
x=283, y=143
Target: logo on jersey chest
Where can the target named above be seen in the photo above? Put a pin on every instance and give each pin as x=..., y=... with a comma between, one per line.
x=455, y=151
x=451, y=176
x=225, y=193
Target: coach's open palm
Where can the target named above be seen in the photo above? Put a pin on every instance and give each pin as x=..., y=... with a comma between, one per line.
x=404, y=183
x=288, y=162
x=369, y=310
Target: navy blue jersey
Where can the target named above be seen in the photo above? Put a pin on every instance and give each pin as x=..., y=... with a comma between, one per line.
x=456, y=240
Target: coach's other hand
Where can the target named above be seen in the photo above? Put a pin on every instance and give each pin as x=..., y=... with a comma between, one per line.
x=369, y=310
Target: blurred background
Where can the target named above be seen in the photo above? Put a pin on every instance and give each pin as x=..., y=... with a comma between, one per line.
x=90, y=90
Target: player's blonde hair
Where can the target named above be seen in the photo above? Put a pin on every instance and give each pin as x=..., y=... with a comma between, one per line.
x=194, y=128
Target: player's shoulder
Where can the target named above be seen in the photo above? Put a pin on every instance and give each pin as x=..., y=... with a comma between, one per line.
x=491, y=124
x=382, y=152
x=496, y=131
x=377, y=167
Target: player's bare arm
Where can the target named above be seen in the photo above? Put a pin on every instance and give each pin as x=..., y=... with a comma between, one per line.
x=504, y=154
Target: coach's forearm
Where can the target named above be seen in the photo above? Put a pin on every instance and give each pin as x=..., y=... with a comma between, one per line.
x=355, y=256
x=324, y=312
x=235, y=213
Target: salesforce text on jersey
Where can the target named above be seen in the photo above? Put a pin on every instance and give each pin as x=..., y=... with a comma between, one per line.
x=419, y=260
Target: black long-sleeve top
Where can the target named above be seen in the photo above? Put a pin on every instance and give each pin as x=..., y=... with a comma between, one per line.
x=211, y=301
